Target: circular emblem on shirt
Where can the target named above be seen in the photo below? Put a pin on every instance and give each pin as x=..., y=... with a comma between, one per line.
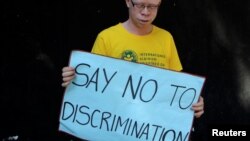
x=129, y=55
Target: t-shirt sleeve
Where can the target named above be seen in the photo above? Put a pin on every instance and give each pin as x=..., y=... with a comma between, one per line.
x=99, y=46
x=175, y=63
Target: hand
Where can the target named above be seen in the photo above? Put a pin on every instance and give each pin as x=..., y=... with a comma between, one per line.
x=68, y=73
x=198, y=107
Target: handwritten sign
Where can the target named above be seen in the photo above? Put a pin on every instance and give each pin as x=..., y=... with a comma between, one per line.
x=116, y=100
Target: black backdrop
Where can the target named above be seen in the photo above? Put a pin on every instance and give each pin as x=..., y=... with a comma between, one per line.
x=212, y=38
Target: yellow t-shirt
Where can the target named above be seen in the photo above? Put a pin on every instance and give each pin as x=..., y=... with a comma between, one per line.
x=155, y=49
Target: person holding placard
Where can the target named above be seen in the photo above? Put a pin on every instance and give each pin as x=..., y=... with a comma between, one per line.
x=138, y=40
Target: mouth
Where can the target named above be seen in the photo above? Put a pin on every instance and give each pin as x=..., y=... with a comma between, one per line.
x=144, y=21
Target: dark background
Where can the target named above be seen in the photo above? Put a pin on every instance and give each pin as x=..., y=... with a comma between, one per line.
x=212, y=37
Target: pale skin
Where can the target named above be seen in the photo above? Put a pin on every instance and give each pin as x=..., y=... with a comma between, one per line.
x=139, y=23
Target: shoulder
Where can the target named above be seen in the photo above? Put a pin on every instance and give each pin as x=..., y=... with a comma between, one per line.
x=111, y=29
x=158, y=31
x=162, y=32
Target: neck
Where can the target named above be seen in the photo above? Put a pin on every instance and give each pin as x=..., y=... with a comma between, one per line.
x=138, y=29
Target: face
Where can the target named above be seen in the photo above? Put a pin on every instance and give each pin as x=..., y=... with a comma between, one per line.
x=143, y=12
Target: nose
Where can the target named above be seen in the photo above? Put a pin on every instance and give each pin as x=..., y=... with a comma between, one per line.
x=145, y=11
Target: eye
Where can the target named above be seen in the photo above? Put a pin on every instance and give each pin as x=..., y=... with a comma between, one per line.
x=153, y=7
x=141, y=6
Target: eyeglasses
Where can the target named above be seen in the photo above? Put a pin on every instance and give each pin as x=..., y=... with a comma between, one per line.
x=142, y=6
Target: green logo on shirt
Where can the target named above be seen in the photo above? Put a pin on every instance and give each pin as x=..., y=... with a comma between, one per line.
x=129, y=55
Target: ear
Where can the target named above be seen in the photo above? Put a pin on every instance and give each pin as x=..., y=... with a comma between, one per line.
x=127, y=3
